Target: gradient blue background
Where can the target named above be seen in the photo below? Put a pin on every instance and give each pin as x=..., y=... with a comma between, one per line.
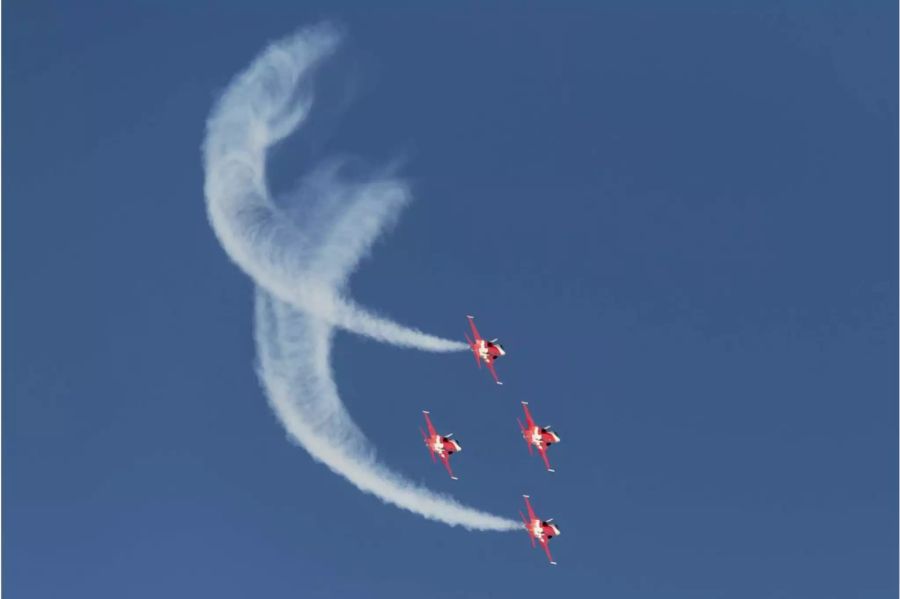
x=681, y=222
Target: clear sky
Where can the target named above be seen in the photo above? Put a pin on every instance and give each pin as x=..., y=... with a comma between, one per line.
x=682, y=223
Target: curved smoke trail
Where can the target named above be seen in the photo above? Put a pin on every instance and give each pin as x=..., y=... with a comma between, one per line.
x=301, y=262
x=263, y=105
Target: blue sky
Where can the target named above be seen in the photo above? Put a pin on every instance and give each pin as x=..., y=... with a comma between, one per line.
x=680, y=221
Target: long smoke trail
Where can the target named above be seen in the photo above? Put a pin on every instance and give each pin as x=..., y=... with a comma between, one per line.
x=264, y=104
x=300, y=253
x=294, y=354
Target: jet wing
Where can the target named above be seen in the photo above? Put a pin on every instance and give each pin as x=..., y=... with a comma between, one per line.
x=428, y=445
x=474, y=347
x=545, y=544
x=530, y=536
x=524, y=433
x=446, y=461
x=531, y=516
x=543, y=451
x=474, y=330
x=431, y=430
x=490, y=365
x=528, y=417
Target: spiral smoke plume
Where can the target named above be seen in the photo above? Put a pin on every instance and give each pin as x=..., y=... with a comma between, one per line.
x=300, y=252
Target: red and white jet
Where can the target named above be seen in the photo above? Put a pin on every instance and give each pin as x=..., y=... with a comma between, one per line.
x=442, y=445
x=537, y=436
x=540, y=530
x=485, y=351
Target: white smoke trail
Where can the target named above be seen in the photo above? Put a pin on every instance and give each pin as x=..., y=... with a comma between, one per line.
x=300, y=257
x=294, y=354
x=263, y=105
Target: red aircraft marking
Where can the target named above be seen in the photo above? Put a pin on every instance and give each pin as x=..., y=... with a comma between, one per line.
x=540, y=530
x=442, y=445
x=485, y=351
x=537, y=436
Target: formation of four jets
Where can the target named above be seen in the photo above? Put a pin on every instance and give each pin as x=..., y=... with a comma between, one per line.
x=540, y=437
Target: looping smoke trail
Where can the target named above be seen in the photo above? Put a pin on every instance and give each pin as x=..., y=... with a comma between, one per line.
x=301, y=256
x=263, y=105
